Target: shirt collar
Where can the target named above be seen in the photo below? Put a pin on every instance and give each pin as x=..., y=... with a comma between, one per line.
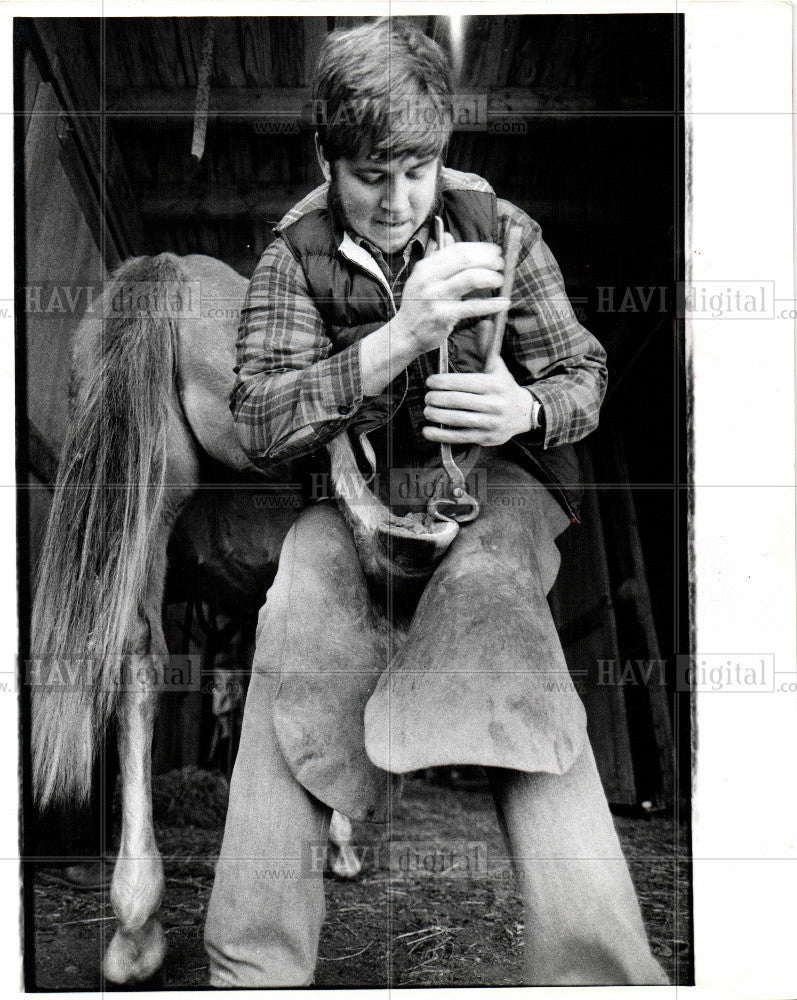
x=419, y=241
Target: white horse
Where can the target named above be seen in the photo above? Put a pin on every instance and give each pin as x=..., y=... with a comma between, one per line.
x=153, y=370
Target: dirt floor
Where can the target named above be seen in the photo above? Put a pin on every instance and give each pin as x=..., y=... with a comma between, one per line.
x=388, y=927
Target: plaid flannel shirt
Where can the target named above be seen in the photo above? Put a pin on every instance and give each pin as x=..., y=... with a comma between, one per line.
x=294, y=392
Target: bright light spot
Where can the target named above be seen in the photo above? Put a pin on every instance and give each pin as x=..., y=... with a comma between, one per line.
x=457, y=25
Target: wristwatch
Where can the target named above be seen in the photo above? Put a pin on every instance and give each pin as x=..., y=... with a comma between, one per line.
x=537, y=419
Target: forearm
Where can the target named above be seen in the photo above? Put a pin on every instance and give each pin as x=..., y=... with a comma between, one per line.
x=559, y=360
x=281, y=414
x=292, y=391
x=384, y=354
x=570, y=404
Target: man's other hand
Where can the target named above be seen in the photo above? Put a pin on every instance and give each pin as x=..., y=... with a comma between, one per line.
x=485, y=408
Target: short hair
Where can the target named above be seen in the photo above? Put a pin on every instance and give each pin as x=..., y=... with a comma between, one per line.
x=382, y=89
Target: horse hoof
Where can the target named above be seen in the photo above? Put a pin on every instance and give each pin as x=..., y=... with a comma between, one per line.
x=346, y=864
x=413, y=549
x=135, y=956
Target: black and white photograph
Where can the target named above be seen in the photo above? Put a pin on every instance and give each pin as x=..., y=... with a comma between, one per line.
x=356, y=372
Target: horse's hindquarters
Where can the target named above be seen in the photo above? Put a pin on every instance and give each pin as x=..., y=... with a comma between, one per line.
x=226, y=544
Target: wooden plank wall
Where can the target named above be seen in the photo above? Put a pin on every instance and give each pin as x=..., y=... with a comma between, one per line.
x=63, y=269
x=582, y=602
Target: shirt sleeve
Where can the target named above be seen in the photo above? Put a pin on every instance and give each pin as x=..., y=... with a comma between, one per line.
x=563, y=364
x=291, y=394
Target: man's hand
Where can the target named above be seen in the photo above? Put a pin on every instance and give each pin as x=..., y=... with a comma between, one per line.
x=485, y=408
x=432, y=302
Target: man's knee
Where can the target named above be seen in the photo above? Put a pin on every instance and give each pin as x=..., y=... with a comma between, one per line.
x=517, y=530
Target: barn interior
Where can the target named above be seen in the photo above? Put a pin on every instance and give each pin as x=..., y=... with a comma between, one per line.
x=583, y=131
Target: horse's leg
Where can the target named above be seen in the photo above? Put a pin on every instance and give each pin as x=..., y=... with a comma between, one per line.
x=138, y=948
x=345, y=863
x=227, y=698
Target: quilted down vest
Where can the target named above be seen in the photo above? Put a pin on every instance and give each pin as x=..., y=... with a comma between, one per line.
x=354, y=299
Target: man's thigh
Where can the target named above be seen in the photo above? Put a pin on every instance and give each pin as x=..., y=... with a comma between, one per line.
x=482, y=650
x=519, y=522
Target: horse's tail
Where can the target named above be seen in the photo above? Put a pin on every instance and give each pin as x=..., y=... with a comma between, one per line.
x=109, y=496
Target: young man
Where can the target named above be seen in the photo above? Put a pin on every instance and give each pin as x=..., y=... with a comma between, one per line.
x=340, y=330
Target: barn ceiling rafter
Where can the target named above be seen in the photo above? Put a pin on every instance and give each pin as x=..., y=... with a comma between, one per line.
x=556, y=78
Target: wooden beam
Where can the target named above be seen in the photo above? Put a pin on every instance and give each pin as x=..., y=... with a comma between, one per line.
x=177, y=204
x=523, y=102
x=633, y=561
x=162, y=106
x=68, y=67
x=225, y=202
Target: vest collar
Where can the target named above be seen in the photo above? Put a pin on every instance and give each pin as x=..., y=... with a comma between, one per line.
x=356, y=250
x=357, y=254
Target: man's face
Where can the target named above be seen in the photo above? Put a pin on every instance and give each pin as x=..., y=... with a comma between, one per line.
x=386, y=202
